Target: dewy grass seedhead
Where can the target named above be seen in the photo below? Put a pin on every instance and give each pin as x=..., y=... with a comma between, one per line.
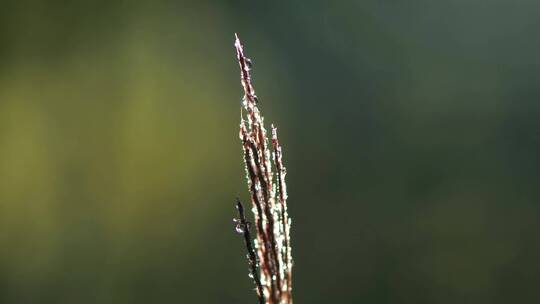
x=269, y=257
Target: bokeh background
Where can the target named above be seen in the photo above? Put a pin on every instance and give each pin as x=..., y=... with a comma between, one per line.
x=411, y=133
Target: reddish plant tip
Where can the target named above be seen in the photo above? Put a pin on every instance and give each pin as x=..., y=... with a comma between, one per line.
x=265, y=174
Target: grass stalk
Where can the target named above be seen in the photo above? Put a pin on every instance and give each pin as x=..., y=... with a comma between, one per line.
x=270, y=256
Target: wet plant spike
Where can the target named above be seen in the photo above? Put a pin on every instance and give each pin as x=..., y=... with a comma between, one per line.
x=242, y=227
x=265, y=175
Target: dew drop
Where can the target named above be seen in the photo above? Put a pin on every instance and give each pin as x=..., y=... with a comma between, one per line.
x=239, y=229
x=249, y=63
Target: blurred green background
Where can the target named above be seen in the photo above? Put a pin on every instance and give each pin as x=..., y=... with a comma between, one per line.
x=411, y=133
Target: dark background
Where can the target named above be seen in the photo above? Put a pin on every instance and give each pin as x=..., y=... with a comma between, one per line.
x=411, y=134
